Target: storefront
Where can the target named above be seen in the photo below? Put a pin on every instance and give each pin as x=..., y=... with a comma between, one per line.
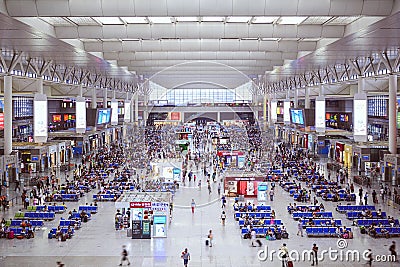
x=242, y=184
x=10, y=168
x=347, y=155
x=169, y=171
x=53, y=156
x=339, y=150
x=149, y=213
x=233, y=158
x=93, y=142
x=391, y=169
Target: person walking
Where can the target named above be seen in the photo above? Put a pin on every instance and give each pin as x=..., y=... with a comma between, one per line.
x=223, y=200
x=210, y=237
x=369, y=256
x=366, y=198
x=209, y=187
x=314, y=255
x=186, y=257
x=253, y=237
x=284, y=253
x=392, y=250
x=300, y=228
x=271, y=195
x=193, y=205
x=124, y=256
x=223, y=218
x=219, y=189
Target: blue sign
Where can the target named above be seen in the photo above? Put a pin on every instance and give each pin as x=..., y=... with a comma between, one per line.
x=34, y=158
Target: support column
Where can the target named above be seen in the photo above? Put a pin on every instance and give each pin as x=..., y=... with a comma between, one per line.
x=218, y=116
x=136, y=107
x=296, y=98
x=40, y=85
x=7, y=115
x=80, y=90
x=307, y=98
x=265, y=112
x=145, y=111
x=94, y=99
x=361, y=84
x=392, y=114
x=105, y=98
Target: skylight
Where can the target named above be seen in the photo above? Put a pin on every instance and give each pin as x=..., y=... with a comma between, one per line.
x=135, y=20
x=316, y=20
x=291, y=20
x=187, y=19
x=264, y=19
x=56, y=21
x=83, y=21
x=109, y=20
x=238, y=19
x=343, y=20
x=160, y=20
x=213, y=19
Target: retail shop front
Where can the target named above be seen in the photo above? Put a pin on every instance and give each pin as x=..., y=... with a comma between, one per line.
x=149, y=213
x=242, y=184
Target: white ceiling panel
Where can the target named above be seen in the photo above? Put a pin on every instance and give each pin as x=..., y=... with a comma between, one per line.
x=304, y=31
x=131, y=46
x=66, y=32
x=285, y=31
x=151, y=8
x=190, y=45
x=126, y=56
x=211, y=30
x=208, y=55
x=274, y=55
x=136, y=31
x=150, y=45
x=85, y=8
x=307, y=46
x=215, y=7
x=349, y=8
x=176, y=55
x=209, y=45
x=269, y=45
x=142, y=55
x=229, y=44
x=188, y=30
x=333, y=31
x=118, y=8
x=313, y=7
x=187, y=8
x=234, y=30
x=245, y=7
x=248, y=45
x=281, y=7
x=90, y=31
x=22, y=8
x=170, y=45
x=163, y=31
x=53, y=8
x=288, y=46
x=257, y=55
x=159, y=55
x=377, y=7
x=114, y=31
x=93, y=46
x=261, y=30
x=112, y=46
x=110, y=55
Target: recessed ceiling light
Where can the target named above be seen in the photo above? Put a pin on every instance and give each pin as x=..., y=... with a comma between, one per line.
x=160, y=19
x=291, y=20
x=264, y=19
x=238, y=19
x=109, y=20
x=135, y=20
x=83, y=21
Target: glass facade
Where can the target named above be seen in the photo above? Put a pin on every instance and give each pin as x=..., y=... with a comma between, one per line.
x=194, y=96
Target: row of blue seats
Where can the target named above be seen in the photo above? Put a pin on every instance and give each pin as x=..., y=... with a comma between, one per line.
x=66, y=223
x=253, y=214
x=323, y=186
x=266, y=222
x=342, y=197
x=88, y=209
x=321, y=222
x=391, y=231
x=260, y=230
x=322, y=214
x=66, y=197
x=259, y=208
x=77, y=215
x=17, y=231
x=368, y=222
x=63, y=230
x=319, y=192
x=39, y=215
x=109, y=197
x=56, y=209
x=301, y=207
x=351, y=215
x=344, y=208
x=324, y=231
x=296, y=196
x=34, y=223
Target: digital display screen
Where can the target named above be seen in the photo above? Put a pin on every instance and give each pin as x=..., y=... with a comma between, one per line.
x=320, y=115
x=40, y=121
x=286, y=111
x=159, y=219
x=56, y=118
x=297, y=116
x=103, y=115
x=80, y=113
x=1, y=114
x=274, y=106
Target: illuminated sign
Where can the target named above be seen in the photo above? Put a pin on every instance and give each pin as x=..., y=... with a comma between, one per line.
x=320, y=122
x=127, y=114
x=114, y=112
x=274, y=105
x=80, y=108
x=40, y=125
x=286, y=112
x=360, y=118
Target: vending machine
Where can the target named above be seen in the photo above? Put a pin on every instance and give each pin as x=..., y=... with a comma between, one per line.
x=262, y=191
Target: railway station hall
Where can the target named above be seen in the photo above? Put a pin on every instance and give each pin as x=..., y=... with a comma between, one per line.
x=199, y=133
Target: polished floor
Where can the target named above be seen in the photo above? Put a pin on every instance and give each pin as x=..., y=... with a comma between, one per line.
x=98, y=244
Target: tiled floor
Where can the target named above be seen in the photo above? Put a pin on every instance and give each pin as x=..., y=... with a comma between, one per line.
x=98, y=244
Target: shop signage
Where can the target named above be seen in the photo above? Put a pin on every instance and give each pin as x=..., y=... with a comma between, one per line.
x=9, y=159
x=245, y=179
x=159, y=206
x=139, y=205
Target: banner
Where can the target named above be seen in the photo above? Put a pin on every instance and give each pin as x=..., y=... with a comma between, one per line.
x=114, y=112
x=286, y=111
x=320, y=122
x=40, y=124
x=80, y=110
x=360, y=118
x=274, y=105
x=127, y=110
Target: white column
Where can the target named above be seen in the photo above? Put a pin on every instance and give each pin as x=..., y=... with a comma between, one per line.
x=136, y=107
x=265, y=112
x=307, y=98
x=80, y=90
x=40, y=85
x=105, y=98
x=296, y=98
x=361, y=84
x=94, y=99
x=132, y=103
x=8, y=115
x=145, y=111
x=392, y=114
x=218, y=116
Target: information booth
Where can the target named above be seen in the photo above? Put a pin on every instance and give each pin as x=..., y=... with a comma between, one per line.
x=149, y=213
x=242, y=183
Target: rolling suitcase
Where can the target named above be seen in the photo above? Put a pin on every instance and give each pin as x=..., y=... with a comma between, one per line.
x=207, y=242
x=11, y=235
x=259, y=243
x=290, y=264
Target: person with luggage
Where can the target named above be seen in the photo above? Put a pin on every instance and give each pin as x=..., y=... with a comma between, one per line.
x=186, y=257
x=210, y=237
x=284, y=254
x=392, y=250
x=193, y=205
x=223, y=200
x=271, y=195
x=253, y=237
x=223, y=218
x=124, y=256
x=300, y=227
